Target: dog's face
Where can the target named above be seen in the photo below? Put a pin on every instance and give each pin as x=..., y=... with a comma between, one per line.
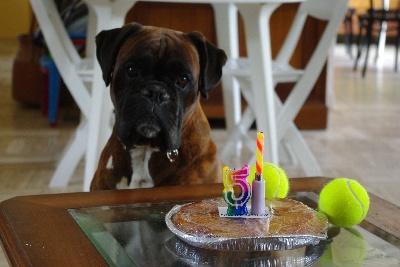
x=156, y=76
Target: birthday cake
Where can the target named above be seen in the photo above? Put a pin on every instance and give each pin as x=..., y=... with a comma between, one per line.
x=291, y=224
x=269, y=224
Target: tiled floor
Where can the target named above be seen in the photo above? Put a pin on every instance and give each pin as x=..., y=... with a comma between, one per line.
x=362, y=140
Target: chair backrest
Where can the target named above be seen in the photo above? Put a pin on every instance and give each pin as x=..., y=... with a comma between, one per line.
x=332, y=11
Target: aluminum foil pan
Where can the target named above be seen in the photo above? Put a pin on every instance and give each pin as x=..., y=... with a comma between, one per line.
x=195, y=256
x=254, y=243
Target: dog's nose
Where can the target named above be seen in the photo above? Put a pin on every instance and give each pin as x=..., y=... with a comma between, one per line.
x=156, y=94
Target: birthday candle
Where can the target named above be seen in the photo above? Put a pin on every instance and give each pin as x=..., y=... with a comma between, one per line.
x=258, y=185
x=231, y=178
x=259, y=154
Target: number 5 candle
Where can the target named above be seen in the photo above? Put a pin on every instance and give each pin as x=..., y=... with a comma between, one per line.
x=231, y=178
x=258, y=185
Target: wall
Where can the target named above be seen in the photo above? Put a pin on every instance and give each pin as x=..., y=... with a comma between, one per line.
x=15, y=16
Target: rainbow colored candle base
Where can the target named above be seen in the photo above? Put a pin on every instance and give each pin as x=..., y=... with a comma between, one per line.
x=231, y=178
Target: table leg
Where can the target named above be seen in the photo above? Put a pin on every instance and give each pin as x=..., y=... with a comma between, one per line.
x=227, y=36
x=256, y=22
x=226, y=20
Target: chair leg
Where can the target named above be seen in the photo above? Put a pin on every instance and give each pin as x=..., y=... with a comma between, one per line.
x=302, y=151
x=45, y=91
x=380, y=41
x=236, y=135
x=54, y=94
x=348, y=37
x=73, y=154
x=351, y=35
x=368, y=40
x=359, y=48
x=397, y=47
x=298, y=146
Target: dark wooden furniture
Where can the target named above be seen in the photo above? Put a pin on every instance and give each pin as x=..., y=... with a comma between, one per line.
x=200, y=17
x=39, y=230
x=371, y=26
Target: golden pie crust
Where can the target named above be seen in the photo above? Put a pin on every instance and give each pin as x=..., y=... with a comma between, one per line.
x=288, y=217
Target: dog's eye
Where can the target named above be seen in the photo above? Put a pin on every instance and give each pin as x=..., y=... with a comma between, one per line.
x=132, y=72
x=182, y=81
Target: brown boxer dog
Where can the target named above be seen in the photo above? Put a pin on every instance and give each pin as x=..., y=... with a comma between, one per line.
x=161, y=135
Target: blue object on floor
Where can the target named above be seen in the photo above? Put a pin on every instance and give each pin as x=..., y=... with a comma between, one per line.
x=79, y=40
x=53, y=87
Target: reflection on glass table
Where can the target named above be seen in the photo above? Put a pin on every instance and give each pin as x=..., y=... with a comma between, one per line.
x=136, y=235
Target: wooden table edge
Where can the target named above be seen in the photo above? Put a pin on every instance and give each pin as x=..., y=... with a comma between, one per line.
x=155, y=194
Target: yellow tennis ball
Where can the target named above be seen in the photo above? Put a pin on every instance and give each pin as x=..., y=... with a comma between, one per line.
x=344, y=201
x=276, y=182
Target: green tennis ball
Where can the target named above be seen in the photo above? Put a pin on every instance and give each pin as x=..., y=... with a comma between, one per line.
x=276, y=182
x=344, y=201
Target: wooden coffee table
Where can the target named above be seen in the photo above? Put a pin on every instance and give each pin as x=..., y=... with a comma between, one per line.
x=76, y=229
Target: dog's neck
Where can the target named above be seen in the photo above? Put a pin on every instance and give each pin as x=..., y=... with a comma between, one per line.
x=141, y=177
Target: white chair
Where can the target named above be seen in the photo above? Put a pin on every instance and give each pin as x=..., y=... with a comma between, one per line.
x=80, y=76
x=75, y=78
x=291, y=142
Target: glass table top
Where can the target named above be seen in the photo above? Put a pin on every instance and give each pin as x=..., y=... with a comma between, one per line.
x=137, y=235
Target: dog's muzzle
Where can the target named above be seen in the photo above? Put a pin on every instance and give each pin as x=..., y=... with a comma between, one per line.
x=150, y=126
x=151, y=115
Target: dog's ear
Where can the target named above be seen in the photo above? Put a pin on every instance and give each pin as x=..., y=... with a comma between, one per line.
x=108, y=44
x=212, y=59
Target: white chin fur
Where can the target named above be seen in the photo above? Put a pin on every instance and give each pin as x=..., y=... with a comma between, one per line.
x=141, y=177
